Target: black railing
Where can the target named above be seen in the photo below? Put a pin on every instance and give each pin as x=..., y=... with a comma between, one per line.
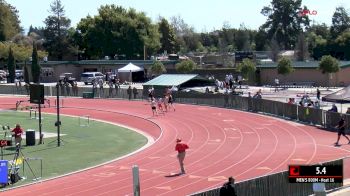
x=276, y=184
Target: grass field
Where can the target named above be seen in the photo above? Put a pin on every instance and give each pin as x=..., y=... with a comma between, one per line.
x=81, y=147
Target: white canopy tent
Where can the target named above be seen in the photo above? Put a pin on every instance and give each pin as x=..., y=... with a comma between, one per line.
x=130, y=68
x=126, y=73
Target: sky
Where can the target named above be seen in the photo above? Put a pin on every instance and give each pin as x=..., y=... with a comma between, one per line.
x=203, y=15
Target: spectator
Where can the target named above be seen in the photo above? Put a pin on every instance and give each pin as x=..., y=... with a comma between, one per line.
x=290, y=101
x=348, y=111
x=94, y=87
x=129, y=92
x=240, y=78
x=75, y=88
x=228, y=189
x=62, y=88
x=319, y=189
x=110, y=85
x=258, y=95
x=67, y=88
x=277, y=83
x=334, y=108
x=134, y=91
x=317, y=105
x=100, y=83
x=318, y=94
x=116, y=86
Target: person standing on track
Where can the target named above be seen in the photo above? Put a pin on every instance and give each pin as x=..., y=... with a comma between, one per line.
x=341, y=130
x=181, y=149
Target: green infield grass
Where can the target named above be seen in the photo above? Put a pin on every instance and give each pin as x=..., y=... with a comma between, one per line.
x=81, y=146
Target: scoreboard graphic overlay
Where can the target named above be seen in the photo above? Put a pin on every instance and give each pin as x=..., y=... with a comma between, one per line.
x=315, y=174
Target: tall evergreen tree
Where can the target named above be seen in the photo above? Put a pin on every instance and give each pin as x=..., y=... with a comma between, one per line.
x=242, y=38
x=56, y=31
x=340, y=22
x=36, y=69
x=167, y=37
x=26, y=73
x=301, y=48
x=11, y=66
x=283, y=22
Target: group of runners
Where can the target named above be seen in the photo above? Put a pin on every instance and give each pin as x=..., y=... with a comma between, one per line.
x=162, y=104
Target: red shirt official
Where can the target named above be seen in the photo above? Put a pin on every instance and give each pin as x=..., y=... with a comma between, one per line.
x=181, y=147
x=17, y=131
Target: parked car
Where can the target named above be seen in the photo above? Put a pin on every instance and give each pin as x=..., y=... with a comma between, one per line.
x=67, y=77
x=88, y=77
x=19, y=74
x=3, y=75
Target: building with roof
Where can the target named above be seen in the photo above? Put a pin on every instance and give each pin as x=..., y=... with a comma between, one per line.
x=51, y=70
x=305, y=71
x=180, y=81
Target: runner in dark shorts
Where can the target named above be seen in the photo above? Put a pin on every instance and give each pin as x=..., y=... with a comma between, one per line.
x=341, y=130
x=170, y=101
x=154, y=107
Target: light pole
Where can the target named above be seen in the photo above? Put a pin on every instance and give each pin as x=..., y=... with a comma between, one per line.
x=58, y=122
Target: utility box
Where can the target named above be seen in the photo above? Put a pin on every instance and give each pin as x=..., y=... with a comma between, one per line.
x=88, y=95
x=30, y=137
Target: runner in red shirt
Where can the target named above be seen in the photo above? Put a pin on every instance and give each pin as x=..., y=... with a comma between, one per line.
x=17, y=133
x=181, y=149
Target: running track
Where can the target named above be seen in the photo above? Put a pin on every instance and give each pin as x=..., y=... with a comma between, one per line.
x=222, y=143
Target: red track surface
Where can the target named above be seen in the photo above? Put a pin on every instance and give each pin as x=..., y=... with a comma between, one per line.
x=222, y=143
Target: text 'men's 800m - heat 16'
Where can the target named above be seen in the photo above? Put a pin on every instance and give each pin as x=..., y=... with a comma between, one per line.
x=315, y=174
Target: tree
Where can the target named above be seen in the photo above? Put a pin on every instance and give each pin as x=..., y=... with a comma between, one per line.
x=167, y=37
x=20, y=52
x=317, y=36
x=11, y=66
x=284, y=66
x=283, y=21
x=343, y=44
x=9, y=21
x=185, y=66
x=329, y=64
x=158, y=68
x=301, y=48
x=319, y=30
x=242, y=38
x=56, y=32
x=26, y=73
x=36, y=69
x=340, y=22
x=187, y=39
x=274, y=49
x=247, y=67
x=260, y=41
x=116, y=30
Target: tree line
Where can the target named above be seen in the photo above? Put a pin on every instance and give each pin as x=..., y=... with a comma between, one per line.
x=127, y=34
